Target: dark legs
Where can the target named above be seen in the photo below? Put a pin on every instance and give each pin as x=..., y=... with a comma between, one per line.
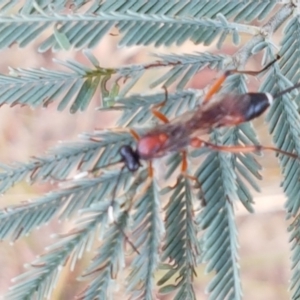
x=217, y=85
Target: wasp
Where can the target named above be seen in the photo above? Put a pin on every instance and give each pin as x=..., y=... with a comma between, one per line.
x=215, y=111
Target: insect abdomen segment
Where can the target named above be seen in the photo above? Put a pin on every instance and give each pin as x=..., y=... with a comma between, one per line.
x=257, y=105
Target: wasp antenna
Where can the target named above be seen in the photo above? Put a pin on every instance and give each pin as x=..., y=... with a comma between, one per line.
x=127, y=238
x=166, y=93
x=110, y=211
x=99, y=168
x=111, y=207
x=279, y=94
x=269, y=64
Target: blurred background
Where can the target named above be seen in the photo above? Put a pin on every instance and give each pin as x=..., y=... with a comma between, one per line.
x=264, y=249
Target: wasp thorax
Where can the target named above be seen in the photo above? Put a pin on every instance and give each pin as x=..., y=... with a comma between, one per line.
x=130, y=158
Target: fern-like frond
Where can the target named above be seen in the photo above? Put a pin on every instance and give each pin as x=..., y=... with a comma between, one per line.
x=184, y=67
x=284, y=124
x=43, y=273
x=239, y=10
x=284, y=121
x=294, y=230
x=147, y=231
x=136, y=109
x=35, y=87
x=218, y=185
x=104, y=268
x=106, y=265
x=181, y=243
x=222, y=177
x=29, y=7
x=77, y=87
x=94, y=151
x=136, y=29
x=289, y=52
x=246, y=166
x=16, y=221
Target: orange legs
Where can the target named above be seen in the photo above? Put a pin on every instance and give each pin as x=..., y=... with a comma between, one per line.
x=157, y=113
x=134, y=134
x=165, y=120
x=197, y=143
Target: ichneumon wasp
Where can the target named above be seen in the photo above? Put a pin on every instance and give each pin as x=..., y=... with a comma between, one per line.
x=215, y=111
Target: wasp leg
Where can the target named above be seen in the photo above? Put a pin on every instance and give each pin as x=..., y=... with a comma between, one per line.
x=127, y=239
x=196, y=142
x=161, y=104
x=159, y=115
x=165, y=120
x=119, y=227
x=184, y=166
x=217, y=85
x=150, y=169
x=134, y=134
x=190, y=177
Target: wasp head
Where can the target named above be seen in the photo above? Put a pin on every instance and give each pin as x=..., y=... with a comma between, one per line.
x=130, y=157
